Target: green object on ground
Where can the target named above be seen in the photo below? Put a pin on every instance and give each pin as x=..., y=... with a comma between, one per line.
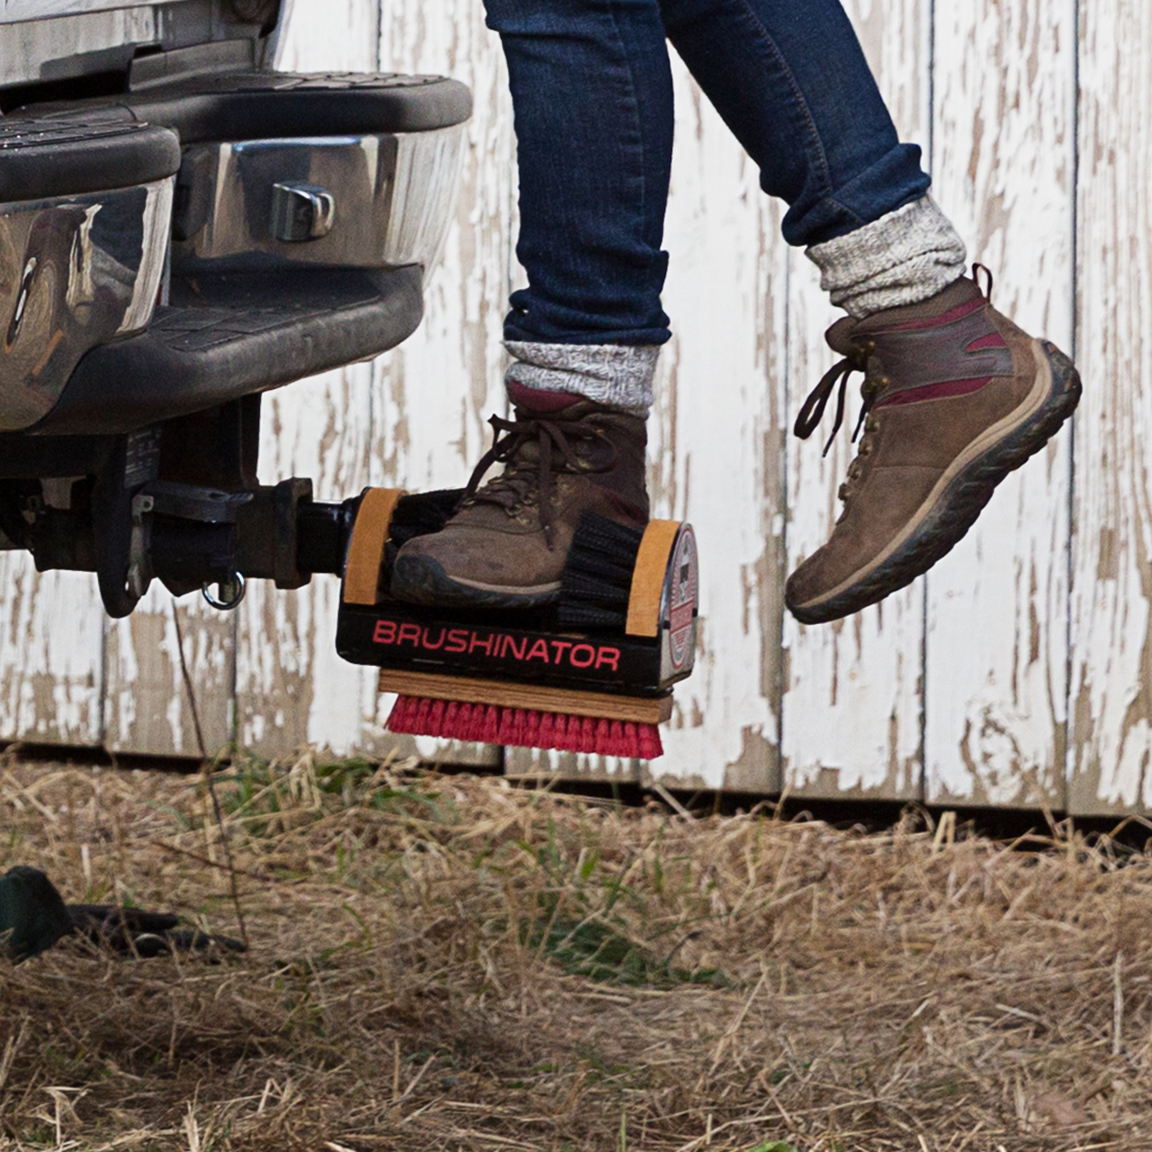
x=33, y=915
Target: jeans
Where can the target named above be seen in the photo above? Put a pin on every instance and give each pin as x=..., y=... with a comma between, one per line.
x=592, y=98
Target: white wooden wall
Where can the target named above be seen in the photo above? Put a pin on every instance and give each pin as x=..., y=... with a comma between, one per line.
x=1018, y=672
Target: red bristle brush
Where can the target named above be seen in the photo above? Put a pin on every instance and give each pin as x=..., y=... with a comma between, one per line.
x=595, y=589
x=525, y=728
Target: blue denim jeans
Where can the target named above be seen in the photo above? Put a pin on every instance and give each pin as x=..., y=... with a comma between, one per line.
x=592, y=97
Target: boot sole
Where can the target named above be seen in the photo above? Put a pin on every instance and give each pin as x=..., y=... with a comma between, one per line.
x=960, y=494
x=422, y=580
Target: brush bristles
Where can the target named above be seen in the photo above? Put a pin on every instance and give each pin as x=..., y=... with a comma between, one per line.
x=423, y=513
x=523, y=728
x=597, y=576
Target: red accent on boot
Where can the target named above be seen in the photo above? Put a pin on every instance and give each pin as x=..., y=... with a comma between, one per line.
x=537, y=400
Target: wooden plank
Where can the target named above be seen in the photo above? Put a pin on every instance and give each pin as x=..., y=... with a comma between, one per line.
x=853, y=688
x=715, y=439
x=147, y=705
x=51, y=654
x=998, y=604
x=283, y=644
x=291, y=687
x=432, y=396
x=1111, y=617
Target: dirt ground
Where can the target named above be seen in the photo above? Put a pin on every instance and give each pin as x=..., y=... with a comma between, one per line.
x=454, y=963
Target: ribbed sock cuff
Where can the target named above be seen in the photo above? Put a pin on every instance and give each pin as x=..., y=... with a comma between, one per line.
x=902, y=258
x=619, y=375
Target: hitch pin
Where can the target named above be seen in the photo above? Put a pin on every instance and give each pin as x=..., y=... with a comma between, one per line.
x=229, y=592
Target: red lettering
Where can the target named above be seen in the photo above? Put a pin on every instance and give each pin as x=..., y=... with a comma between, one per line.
x=539, y=651
x=510, y=645
x=409, y=632
x=580, y=661
x=478, y=643
x=608, y=658
x=385, y=632
x=457, y=641
x=439, y=641
x=560, y=646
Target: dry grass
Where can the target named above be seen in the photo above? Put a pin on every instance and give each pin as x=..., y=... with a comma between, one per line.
x=451, y=963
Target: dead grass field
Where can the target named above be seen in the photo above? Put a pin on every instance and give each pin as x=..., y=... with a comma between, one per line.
x=453, y=963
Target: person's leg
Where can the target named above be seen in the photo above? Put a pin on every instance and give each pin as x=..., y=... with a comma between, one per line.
x=791, y=82
x=592, y=100
x=955, y=395
x=592, y=97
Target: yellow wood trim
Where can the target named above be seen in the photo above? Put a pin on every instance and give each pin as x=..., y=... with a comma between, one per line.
x=366, y=548
x=648, y=578
x=508, y=694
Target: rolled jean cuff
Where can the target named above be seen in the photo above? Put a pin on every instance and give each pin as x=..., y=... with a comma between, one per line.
x=617, y=375
x=903, y=258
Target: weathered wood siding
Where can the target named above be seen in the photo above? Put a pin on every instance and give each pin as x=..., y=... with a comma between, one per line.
x=997, y=609
x=1111, y=655
x=1018, y=672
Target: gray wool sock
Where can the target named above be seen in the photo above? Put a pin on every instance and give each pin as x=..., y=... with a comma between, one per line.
x=902, y=258
x=619, y=375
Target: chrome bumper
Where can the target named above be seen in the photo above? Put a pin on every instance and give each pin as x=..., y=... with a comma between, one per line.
x=363, y=201
x=75, y=272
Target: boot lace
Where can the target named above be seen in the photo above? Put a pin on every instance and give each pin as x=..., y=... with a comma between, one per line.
x=524, y=480
x=812, y=410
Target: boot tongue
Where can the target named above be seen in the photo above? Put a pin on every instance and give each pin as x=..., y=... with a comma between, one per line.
x=839, y=336
x=539, y=402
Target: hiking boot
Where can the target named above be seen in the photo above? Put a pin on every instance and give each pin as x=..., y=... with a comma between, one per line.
x=955, y=397
x=506, y=545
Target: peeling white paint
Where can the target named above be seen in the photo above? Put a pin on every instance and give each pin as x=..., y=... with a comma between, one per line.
x=955, y=690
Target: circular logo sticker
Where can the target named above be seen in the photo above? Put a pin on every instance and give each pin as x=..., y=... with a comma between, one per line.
x=682, y=592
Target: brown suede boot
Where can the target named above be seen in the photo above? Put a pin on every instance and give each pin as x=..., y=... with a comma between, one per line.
x=506, y=545
x=955, y=397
